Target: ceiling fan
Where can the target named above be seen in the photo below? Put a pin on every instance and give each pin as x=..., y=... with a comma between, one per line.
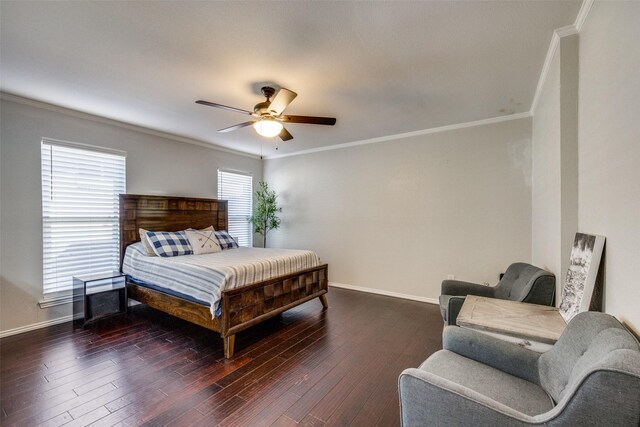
x=269, y=117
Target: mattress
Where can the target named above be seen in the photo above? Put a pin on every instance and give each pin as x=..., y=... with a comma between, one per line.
x=202, y=278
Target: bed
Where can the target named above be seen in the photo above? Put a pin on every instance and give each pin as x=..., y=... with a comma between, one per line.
x=240, y=307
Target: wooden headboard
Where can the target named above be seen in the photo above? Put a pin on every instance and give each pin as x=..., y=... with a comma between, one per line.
x=167, y=213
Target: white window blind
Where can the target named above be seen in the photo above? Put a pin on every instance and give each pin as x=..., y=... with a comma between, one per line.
x=80, y=225
x=238, y=190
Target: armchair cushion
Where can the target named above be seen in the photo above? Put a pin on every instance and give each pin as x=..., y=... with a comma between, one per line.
x=516, y=393
x=448, y=403
x=499, y=354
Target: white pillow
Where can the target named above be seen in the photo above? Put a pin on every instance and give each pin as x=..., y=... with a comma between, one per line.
x=203, y=241
x=145, y=242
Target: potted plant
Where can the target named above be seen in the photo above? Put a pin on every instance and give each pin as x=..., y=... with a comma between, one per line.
x=264, y=216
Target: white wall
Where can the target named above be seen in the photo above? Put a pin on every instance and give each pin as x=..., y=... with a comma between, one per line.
x=546, y=175
x=599, y=171
x=555, y=163
x=155, y=165
x=609, y=138
x=398, y=216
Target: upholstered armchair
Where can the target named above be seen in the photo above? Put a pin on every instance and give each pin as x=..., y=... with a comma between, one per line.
x=521, y=282
x=590, y=377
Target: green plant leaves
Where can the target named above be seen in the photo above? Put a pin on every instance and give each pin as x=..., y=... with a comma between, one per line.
x=264, y=216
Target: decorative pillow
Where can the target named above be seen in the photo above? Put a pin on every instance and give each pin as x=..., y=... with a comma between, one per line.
x=203, y=241
x=209, y=228
x=147, y=245
x=225, y=240
x=145, y=242
x=167, y=244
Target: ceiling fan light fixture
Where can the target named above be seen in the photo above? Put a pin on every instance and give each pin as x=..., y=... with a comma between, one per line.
x=267, y=115
x=268, y=127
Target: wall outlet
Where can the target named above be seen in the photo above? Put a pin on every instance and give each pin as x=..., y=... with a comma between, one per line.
x=451, y=276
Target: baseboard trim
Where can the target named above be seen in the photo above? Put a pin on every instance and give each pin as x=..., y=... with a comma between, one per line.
x=39, y=325
x=69, y=318
x=385, y=293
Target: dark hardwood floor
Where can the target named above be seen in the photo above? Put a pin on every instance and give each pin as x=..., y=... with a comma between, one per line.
x=306, y=367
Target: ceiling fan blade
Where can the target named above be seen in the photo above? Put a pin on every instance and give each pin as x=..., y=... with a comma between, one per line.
x=309, y=120
x=285, y=135
x=280, y=102
x=239, y=126
x=224, y=107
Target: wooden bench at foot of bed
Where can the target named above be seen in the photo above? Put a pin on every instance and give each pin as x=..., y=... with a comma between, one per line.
x=242, y=307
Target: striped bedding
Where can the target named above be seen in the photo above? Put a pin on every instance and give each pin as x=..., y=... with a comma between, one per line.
x=204, y=277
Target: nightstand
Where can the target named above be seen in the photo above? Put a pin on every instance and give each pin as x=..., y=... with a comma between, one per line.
x=99, y=295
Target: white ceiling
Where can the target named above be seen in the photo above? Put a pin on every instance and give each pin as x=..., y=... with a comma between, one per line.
x=380, y=68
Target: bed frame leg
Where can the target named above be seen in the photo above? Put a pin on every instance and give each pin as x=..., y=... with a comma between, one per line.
x=229, y=342
x=323, y=300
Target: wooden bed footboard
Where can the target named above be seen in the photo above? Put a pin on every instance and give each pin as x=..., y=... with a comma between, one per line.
x=249, y=305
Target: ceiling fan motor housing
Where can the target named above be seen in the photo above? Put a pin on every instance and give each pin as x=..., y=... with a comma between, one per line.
x=268, y=91
x=262, y=108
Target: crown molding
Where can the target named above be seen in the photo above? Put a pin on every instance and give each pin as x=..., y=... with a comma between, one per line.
x=582, y=14
x=104, y=120
x=553, y=46
x=483, y=122
x=569, y=30
x=82, y=115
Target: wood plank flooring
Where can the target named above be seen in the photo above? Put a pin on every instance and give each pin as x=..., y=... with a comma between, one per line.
x=307, y=367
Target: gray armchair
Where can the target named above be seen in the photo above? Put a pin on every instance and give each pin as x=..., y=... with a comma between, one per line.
x=521, y=282
x=591, y=377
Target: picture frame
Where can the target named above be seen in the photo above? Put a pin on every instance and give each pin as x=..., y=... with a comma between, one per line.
x=580, y=282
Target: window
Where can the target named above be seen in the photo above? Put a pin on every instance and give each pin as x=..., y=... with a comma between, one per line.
x=80, y=213
x=237, y=188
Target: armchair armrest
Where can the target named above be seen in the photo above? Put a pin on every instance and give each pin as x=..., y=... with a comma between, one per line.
x=427, y=399
x=460, y=288
x=543, y=290
x=502, y=355
x=451, y=305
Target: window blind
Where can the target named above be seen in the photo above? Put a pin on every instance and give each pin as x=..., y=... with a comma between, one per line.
x=80, y=213
x=237, y=189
